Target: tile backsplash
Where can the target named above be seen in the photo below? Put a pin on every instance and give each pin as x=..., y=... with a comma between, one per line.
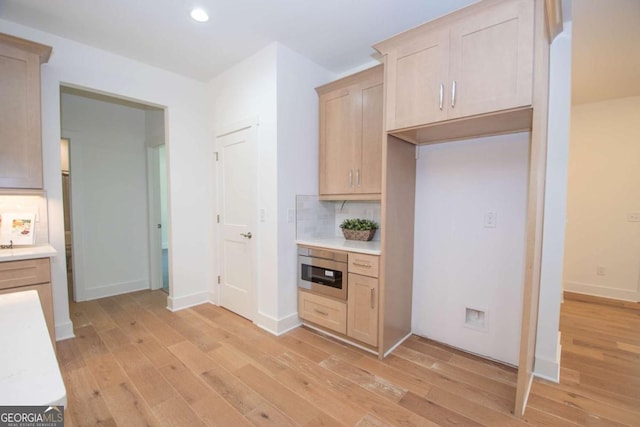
x=321, y=219
x=27, y=204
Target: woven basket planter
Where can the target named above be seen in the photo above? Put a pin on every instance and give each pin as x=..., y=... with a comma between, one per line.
x=364, y=235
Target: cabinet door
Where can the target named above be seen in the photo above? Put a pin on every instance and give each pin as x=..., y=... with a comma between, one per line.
x=362, y=310
x=369, y=171
x=417, y=76
x=340, y=133
x=492, y=60
x=20, y=141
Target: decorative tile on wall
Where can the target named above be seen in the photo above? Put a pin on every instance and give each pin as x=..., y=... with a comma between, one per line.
x=314, y=218
x=27, y=204
x=321, y=219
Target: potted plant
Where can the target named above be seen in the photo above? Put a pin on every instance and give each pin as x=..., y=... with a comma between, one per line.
x=359, y=229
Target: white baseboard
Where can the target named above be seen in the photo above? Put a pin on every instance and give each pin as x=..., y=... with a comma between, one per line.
x=549, y=369
x=277, y=326
x=64, y=331
x=601, y=291
x=180, y=303
x=115, y=289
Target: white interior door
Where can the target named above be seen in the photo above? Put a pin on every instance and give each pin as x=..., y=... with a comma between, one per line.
x=237, y=183
x=155, y=223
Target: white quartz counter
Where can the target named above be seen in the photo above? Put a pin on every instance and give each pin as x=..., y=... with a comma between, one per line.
x=29, y=372
x=27, y=252
x=339, y=243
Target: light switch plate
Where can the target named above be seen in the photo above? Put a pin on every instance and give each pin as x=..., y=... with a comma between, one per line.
x=491, y=219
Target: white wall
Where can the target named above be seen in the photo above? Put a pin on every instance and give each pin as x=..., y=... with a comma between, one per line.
x=276, y=85
x=604, y=178
x=188, y=152
x=458, y=262
x=109, y=196
x=297, y=165
x=547, y=355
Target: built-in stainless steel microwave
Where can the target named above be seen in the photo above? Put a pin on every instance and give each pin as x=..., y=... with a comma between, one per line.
x=323, y=271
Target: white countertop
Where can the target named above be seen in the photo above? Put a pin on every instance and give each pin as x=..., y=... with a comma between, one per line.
x=29, y=372
x=27, y=252
x=340, y=243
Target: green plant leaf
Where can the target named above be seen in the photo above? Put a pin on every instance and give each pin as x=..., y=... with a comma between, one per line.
x=359, y=224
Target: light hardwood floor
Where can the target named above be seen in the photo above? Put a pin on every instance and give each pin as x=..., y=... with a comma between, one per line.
x=135, y=363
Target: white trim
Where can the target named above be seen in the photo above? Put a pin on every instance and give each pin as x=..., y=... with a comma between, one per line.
x=275, y=326
x=213, y=298
x=64, y=331
x=396, y=345
x=115, y=289
x=180, y=303
x=602, y=291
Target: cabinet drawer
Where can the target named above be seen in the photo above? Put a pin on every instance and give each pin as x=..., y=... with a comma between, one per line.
x=23, y=273
x=367, y=265
x=325, y=312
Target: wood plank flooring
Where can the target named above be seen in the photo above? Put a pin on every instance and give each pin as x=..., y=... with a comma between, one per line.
x=135, y=363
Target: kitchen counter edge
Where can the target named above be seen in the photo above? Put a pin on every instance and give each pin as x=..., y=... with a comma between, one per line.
x=371, y=248
x=28, y=252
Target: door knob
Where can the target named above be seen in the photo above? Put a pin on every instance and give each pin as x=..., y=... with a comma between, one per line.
x=247, y=235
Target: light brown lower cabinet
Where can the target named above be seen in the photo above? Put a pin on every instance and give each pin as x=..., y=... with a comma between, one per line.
x=362, y=309
x=27, y=275
x=326, y=312
x=357, y=317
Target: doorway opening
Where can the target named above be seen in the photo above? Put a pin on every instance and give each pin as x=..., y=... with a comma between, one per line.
x=114, y=191
x=602, y=238
x=66, y=194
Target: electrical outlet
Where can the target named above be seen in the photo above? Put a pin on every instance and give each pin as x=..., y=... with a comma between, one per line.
x=633, y=217
x=262, y=215
x=601, y=271
x=491, y=219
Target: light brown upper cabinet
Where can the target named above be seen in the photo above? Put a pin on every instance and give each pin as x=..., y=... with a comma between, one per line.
x=351, y=136
x=462, y=65
x=20, y=129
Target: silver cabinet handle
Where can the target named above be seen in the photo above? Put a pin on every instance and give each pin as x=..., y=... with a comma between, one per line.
x=441, y=95
x=351, y=178
x=247, y=235
x=361, y=263
x=358, y=177
x=453, y=95
x=373, y=294
x=323, y=313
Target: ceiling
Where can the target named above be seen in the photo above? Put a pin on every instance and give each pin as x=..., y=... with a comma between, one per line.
x=335, y=34
x=605, y=50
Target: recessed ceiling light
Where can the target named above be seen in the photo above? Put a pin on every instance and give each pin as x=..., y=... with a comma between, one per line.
x=199, y=15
